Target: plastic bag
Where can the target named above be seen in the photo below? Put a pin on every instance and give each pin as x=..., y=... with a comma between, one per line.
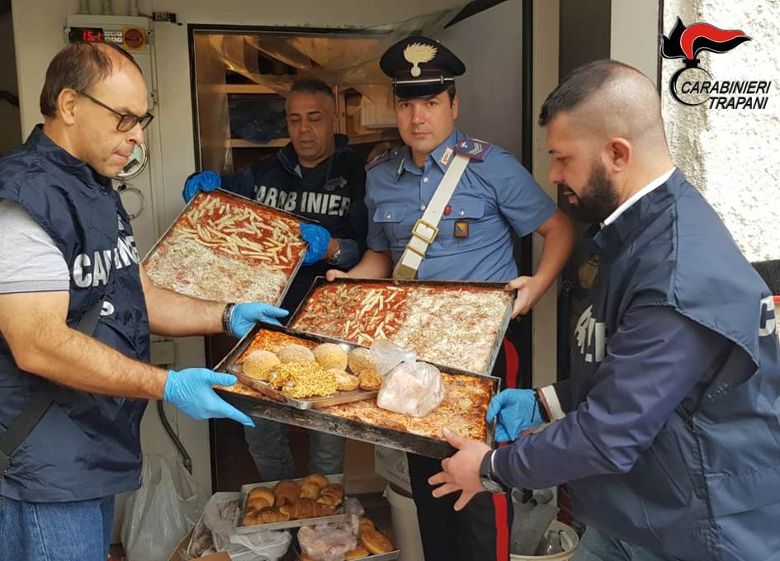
x=388, y=355
x=163, y=510
x=219, y=522
x=265, y=545
x=408, y=387
x=329, y=542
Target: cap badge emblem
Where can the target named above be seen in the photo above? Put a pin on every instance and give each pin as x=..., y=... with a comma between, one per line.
x=417, y=53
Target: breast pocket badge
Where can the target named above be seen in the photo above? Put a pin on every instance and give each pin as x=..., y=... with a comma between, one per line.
x=461, y=229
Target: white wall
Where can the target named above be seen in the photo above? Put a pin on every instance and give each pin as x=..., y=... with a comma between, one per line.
x=733, y=156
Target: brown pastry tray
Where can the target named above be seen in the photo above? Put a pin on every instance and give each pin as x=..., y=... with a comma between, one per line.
x=245, y=489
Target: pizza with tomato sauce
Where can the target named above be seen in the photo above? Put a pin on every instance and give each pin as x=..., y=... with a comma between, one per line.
x=452, y=325
x=225, y=248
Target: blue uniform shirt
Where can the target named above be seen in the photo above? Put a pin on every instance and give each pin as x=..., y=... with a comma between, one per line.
x=495, y=195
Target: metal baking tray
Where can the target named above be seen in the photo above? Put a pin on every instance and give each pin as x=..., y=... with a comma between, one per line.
x=228, y=364
x=320, y=420
x=240, y=529
x=263, y=209
x=496, y=346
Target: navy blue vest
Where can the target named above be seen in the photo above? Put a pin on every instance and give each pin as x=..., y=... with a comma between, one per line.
x=710, y=482
x=87, y=445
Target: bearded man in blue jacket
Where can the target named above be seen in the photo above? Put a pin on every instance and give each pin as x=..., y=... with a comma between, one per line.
x=667, y=432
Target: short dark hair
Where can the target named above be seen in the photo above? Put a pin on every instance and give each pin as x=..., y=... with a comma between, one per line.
x=579, y=85
x=312, y=85
x=452, y=92
x=78, y=67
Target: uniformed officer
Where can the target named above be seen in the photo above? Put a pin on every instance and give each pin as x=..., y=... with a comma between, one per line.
x=494, y=197
x=667, y=431
x=75, y=314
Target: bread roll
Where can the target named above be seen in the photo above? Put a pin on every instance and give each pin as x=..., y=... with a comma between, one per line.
x=295, y=353
x=258, y=364
x=330, y=355
x=360, y=360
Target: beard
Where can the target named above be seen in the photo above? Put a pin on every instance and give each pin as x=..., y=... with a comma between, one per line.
x=598, y=200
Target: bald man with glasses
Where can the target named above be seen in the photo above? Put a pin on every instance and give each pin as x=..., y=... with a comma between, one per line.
x=76, y=311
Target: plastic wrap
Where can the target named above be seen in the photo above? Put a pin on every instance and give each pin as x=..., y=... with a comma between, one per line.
x=409, y=387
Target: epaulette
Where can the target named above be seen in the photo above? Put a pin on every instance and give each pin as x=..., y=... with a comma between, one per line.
x=473, y=148
x=385, y=156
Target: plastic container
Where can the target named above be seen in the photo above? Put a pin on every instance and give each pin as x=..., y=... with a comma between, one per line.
x=406, y=531
x=569, y=541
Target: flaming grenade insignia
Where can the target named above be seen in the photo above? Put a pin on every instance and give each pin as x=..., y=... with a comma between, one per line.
x=418, y=53
x=687, y=42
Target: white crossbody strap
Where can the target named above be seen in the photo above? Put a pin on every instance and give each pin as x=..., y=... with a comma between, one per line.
x=426, y=228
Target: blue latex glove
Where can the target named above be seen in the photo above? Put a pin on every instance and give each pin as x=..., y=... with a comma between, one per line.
x=318, y=238
x=205, y=181
x=190, y=390
x=516, y=411
x=245, y=316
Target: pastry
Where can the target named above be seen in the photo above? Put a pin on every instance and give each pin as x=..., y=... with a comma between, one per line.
x=332, y=495
x=320, y=480
x=375, y=542
x=369, y=381
x=310, y=490
x=356, y=553
x=346, y=382
x=286, y=492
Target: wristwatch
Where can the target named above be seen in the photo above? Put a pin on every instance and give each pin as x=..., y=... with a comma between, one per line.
x=487, y=476
x=334, y=259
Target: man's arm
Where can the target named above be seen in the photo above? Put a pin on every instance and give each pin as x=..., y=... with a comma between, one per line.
x=373, y=265
x=176, y=315
x=654, y=360
x=34, y=326
x=558, y=234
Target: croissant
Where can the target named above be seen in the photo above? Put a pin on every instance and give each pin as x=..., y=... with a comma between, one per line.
x=332, y=495
x=271, y=516
x=310, y=490
x=262, y=492
x=320, y=480
x=286, y=492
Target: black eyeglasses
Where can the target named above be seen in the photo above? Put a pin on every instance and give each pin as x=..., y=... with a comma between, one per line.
x=126, y=120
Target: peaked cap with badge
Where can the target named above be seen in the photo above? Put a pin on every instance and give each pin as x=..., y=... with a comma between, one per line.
x=420, y=67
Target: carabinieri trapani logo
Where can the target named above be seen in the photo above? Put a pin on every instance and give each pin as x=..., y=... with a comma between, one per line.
x=693, y=85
